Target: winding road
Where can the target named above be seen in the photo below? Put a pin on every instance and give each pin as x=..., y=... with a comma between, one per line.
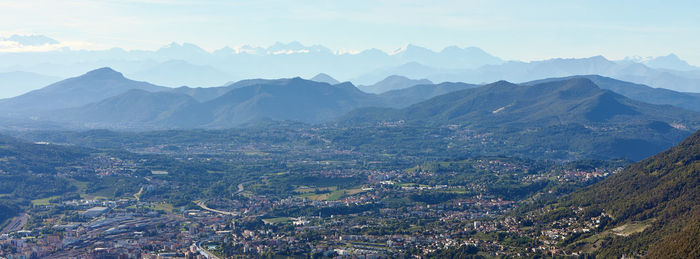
x=203, y=205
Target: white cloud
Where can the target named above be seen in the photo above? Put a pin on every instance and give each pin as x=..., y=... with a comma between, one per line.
x=7, y=46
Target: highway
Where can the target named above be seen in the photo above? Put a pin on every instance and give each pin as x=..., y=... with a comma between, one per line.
x=203, y=205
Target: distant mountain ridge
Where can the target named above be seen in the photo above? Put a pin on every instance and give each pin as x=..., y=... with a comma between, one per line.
x=670, y=61
x=280, y=60
x=290, y=99
x=404, y=97
x=104, y=98
x=179, y=64
x=394, y=82
x=180, y=72
x=324, y=78
x=285, y=99
x=517, y=71
x=638, y=92
x=137, y=108
x=91, y=87
x=16, y=82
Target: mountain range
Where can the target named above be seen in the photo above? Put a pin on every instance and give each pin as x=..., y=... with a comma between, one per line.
x=517, y=71
x=187, y=64
x=575, y=100
x=170, y=64
x=637, y=92
x=571, y=114
x=104, y=98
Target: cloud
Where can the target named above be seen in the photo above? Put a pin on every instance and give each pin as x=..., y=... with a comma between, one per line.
x=41, y=43
x=31, y=40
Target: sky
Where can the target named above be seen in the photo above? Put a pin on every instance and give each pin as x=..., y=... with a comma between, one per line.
x=513, y=30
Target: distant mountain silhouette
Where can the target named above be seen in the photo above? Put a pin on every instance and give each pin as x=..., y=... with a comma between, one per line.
x=671, y=61
x=137, y=109
x=187, y=51
x=286, y=60
x=410, y=69
x=201, y=94
x=407, y=96
x=324, y=78
x=286, y=99
x=280, y=60
x=449, y=57
x=17, y=82
x=638, y=92
x=179, y=73
x=393, y=82
x=244, y=102
x=516, y=71
x=91, y=87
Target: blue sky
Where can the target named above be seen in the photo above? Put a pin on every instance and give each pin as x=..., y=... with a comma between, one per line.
x=524, y=30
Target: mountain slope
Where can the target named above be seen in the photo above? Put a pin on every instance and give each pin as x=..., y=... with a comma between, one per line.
x=569, y=101
x=29, y=171
x=91, y=87
x=137, y=109
x=324, y=78
x=662, y=192
x=394, y=82
x=244, y=102
x=404, y=97
x=204, y=94
x=201, y=94
x=638, y=92
x=565, y=119
x=286, y=99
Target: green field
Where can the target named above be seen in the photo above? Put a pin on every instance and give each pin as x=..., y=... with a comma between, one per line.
x=334, y=195
x=44, y=201
x=279, y=220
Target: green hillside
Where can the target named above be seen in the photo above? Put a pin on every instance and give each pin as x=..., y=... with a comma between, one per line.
x=654, y=206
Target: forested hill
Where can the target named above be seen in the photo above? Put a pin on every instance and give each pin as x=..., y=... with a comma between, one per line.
x=573, y=115
x=659, y=197
x=28, y=171
x=19, y=157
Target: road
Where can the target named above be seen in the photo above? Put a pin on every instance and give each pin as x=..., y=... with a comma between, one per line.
x=203, y=205
x=240, y=189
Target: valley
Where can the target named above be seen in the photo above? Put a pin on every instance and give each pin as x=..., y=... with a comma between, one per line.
x=207, y=129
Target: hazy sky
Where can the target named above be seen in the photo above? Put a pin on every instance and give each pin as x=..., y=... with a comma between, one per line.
x=524, y=30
